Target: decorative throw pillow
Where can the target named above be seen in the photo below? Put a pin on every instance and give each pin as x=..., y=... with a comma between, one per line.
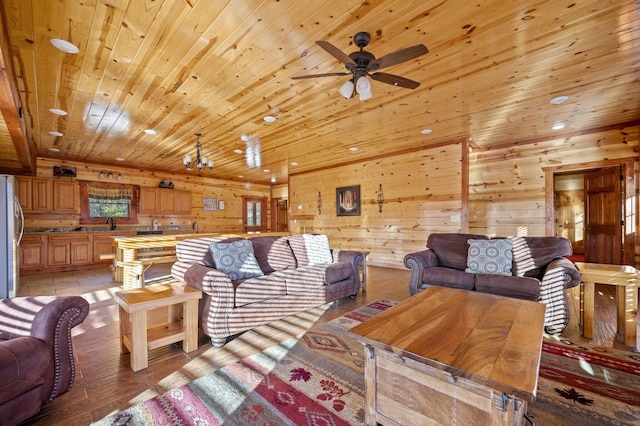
x=236, y=259
x=311, y=249
x=489, y=257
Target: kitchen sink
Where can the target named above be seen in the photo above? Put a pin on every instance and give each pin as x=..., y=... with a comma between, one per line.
x=152, y=232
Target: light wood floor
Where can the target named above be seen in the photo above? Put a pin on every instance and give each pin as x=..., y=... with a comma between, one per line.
x=105, y=383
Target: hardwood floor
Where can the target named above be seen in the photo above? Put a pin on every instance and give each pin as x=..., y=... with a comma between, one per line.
x=105, y=383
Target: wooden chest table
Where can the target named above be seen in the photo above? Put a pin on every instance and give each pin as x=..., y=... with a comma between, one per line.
x=449, y=356
x=182, y=324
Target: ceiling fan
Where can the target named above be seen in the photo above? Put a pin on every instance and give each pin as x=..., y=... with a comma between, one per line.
x=361, y=63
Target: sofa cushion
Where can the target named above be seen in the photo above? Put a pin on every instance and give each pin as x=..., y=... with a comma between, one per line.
x=448, y=277
x=303, y=278
x=311, y=249
x=451, y=248
x=235, y=259
x=511, y=286
x=489, y=257
x=197, y=250
x=273, y=253
x=532, y=254
x=258, y=289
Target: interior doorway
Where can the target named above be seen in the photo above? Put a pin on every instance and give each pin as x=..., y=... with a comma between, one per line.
x=280, y=215
x=589, y=208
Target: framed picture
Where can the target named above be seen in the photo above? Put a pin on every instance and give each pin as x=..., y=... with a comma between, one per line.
x=348, y=201
x=221, y=204
x=209, y=204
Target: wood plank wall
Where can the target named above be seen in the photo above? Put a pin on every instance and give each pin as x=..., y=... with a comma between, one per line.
x=424, y=191
x=421, y=191
x=228, y=220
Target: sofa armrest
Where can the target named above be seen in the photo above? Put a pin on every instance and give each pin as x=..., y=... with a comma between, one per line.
x=49, y=319
x=355, y=258
x=418, y=262
x=571, y=277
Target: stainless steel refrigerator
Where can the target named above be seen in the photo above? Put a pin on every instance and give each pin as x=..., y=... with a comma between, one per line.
x=11, y=229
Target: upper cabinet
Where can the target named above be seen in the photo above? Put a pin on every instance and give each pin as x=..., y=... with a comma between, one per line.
x=164, y=201
x=41, y=195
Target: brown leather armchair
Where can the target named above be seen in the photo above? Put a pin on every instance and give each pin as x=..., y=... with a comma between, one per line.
x=36, y=354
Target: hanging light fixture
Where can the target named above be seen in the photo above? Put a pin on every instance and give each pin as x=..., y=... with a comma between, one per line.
x=200, y=161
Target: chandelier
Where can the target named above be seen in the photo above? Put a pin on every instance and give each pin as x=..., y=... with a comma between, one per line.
x=200, y=161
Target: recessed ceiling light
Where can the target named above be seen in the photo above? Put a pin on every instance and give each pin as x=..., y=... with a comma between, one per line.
x=57, y=111
x=269, y=119
x=237, y=151
x=558, y=126
x=150, y=132
x=559, y=99
x=353, y=149
x=52, y=133
x=266, y=170
x=64, y=45
x=54, y=149
x=426, y=131
x=240, y=176
x=244, y=138
x=119, y=159
x=273, y=179
x=293, y=163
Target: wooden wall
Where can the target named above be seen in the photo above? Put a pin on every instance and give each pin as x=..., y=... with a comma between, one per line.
x=228, y=220
x=425, y=192
x=421, y=192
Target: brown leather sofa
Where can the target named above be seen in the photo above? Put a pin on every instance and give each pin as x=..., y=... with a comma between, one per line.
x=36, y=354
x=287, y=283
x=538, y=271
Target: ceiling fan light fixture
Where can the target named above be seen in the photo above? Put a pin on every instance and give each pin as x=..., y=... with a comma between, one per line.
x=346, y=89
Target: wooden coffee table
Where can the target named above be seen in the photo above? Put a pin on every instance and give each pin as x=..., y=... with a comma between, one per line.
x=182, y=324
x=449, y=356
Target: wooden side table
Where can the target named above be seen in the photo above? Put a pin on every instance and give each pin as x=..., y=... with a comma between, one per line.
x=448, y=354
x=626, y=279
x=136, y=338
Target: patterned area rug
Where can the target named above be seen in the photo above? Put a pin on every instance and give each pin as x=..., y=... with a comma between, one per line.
x=317, y=379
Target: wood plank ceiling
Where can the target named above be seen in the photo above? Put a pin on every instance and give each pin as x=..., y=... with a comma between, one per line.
x=218, y=67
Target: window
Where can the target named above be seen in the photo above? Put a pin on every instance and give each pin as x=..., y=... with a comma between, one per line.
x=100, y=201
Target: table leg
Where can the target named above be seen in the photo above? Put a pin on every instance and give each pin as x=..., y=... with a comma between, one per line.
x=124, y=329
x=140, y=351
x=627, y=307
x=587, y=311
x=364, y=273
x=190, y=325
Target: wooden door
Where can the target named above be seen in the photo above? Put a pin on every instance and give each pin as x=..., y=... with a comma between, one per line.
x=254, y=212
x=603, y=216
x=279, y=215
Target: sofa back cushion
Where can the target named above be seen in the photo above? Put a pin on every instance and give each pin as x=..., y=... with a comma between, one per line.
x=236, y=259
x=531, y=255
x=451, y=248
x=311, y=249
x=273, y=253
x=197, y=250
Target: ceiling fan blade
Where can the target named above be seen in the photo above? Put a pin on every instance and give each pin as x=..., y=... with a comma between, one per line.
x=394, y=80
x=398, y=57
x=336, y=53
x=331, y=74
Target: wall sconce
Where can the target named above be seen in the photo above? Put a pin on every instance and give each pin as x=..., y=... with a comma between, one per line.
x=319, y=203
x=380, y=199
x=107, y=174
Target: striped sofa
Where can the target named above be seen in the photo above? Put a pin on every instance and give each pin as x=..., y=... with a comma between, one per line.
x=532, y=268
x=293, y=274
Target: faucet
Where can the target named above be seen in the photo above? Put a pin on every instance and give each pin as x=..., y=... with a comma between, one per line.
x=113, y=224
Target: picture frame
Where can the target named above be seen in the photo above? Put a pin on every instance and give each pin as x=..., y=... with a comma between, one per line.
x=221, y=205
x=209, y=204
x=348, y=201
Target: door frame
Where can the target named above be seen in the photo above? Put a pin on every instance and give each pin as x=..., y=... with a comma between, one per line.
x=263, y=214
x=632, y=220
x=274, y=213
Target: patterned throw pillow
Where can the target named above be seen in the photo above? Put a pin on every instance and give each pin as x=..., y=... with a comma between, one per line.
x=236, y=259
x=489, y=257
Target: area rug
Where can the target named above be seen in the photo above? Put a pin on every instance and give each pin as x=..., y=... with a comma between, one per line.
x=317, y=379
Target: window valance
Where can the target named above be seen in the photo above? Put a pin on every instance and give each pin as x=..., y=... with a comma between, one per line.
x=109, y=192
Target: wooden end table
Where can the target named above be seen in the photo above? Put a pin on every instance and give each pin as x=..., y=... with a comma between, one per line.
x=626, y=279
x=448, y=354
x=136, y=338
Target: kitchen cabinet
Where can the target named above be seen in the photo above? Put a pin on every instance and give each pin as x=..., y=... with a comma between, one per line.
x=163, y=201
x=33, y=252
x=66, y=196
x=41, y=195
x=70, y=249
